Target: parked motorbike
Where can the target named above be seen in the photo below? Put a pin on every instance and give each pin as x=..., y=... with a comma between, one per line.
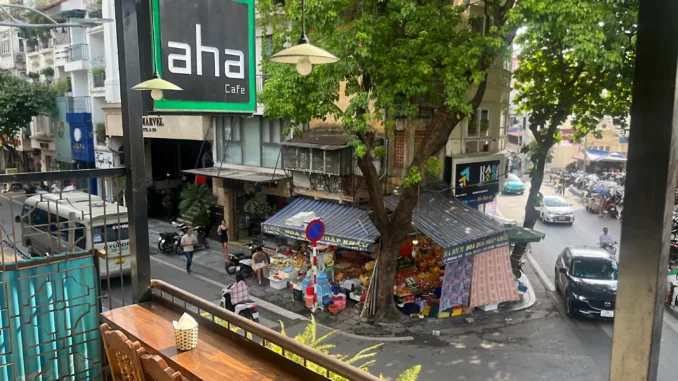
x=242, y=262
x=201, y=231
x=168, y=242
x=247, y=310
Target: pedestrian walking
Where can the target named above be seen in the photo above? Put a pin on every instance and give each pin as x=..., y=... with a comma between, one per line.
x=188, y=242
x=222, y=230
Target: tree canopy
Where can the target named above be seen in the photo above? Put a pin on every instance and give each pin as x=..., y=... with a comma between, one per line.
x=396, y=56
x=21, y=100
x=576, y=61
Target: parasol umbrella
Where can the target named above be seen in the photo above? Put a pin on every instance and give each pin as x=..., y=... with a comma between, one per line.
x=519, y=234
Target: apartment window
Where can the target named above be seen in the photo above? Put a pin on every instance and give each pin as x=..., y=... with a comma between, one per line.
x=476, y=23
x=5, y=43
x=399, y=149
x=607, y=148
x=232, y=143
x=474, y=146
x=479, y=126
x=22, y=45
x=502, y=124
x=252, y=141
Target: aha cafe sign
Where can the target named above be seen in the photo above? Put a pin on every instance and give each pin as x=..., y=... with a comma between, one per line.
x=206, y=47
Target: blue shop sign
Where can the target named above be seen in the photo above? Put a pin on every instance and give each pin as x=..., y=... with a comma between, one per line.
x=82, y=137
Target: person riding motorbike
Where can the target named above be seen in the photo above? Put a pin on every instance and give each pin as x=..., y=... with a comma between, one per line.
x=605, y=238
x=237, y=291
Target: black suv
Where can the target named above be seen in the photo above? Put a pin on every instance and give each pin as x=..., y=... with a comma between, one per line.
x=587, y=279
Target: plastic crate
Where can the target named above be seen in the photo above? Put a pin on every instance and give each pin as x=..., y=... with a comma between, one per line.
x=278, y=284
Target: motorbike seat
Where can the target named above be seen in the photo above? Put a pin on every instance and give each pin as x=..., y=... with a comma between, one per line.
x=168, y=235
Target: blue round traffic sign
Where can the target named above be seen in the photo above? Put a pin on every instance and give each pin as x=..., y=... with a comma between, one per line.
x=315, y=231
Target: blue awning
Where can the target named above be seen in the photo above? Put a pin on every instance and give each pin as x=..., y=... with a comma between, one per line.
x=345, y=225
x=460, y=230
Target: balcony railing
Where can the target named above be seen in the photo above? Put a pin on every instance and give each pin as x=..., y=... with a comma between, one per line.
x=78, y=104
x=261, y=80
x=79, y=52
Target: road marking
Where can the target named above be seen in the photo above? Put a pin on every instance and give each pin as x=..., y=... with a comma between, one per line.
x=540, y=273
x=283, y=312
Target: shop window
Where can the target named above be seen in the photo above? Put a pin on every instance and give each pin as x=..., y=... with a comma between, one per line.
x=399, y=149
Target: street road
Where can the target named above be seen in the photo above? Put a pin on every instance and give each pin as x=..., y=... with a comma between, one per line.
x=595, y=337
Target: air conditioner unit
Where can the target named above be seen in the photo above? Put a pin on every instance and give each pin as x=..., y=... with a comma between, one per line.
x=19, y=58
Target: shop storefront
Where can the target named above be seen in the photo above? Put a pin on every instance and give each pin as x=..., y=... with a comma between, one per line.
x=248, y=197
x=346, y=252
x=455, y=259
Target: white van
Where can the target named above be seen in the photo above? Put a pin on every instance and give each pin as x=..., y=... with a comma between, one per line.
x=66, y=223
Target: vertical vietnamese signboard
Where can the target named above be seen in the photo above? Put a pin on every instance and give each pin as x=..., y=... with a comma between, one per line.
x=206, y=47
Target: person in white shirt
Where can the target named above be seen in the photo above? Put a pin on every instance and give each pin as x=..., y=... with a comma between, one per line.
x=188, y=242
x=605, y=238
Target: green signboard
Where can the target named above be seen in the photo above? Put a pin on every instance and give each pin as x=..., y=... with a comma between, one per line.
x=206, y=47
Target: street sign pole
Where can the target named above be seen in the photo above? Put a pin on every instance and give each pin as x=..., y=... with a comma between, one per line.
x=315, y=230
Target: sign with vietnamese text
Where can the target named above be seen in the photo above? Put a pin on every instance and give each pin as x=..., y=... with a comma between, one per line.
x=327, y=239
x=206, y=47
x=474, y=247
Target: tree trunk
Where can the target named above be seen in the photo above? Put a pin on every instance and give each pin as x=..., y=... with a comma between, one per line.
x=531, y=213
x=386, y=310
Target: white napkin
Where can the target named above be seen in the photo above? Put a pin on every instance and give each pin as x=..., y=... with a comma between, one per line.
x=185, y=322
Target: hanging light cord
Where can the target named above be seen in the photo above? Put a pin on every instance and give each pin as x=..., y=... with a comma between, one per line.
x=303, y=39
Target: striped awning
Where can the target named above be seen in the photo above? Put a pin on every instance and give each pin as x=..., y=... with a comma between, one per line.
x=460, y=230
x=345, y=225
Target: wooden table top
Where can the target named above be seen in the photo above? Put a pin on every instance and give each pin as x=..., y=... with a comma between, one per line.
x=218, y=356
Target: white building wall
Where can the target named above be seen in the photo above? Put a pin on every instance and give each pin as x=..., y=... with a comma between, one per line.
x=111, y=54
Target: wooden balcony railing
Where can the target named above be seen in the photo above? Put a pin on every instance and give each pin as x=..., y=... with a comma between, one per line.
x=202, y=307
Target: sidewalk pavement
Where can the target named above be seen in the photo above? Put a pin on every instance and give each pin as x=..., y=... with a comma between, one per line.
x=210, y=264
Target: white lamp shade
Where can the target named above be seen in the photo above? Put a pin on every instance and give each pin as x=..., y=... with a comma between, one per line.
x=156, y=84
x=306, y=50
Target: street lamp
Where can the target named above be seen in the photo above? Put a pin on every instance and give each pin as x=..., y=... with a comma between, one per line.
x=304, y=54
x=157, y=85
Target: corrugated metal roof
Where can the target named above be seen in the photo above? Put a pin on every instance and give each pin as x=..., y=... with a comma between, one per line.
x=326, y=142
x=345, y=225
x=447, y=221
